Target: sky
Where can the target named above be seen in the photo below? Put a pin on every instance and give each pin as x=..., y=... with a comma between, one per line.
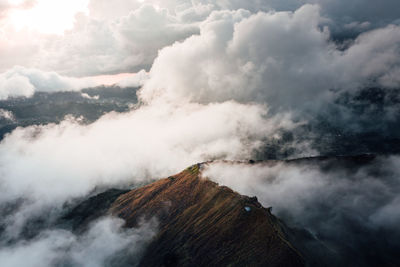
x=216, y=79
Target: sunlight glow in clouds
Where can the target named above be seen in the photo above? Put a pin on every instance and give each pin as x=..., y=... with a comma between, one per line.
x=16, y=2
x=48, y=16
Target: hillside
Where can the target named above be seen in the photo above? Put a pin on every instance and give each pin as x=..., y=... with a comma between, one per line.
x=201, y=223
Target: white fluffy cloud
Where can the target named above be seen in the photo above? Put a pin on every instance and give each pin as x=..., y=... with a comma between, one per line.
x=282, y=58
x=110, y=46
x=136, y=80
x=6, y=115
x=96, y=45
x=243, y=57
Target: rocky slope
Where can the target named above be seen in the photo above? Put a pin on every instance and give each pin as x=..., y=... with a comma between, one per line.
x=201, y=223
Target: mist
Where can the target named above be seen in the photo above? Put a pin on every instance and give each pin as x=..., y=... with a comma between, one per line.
x=105, y=243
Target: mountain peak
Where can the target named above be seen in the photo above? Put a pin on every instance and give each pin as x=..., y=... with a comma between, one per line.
x=202, y=223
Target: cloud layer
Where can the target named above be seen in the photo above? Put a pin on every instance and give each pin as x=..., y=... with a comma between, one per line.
x=69, y=160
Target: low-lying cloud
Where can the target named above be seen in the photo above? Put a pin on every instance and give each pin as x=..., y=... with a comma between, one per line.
x=21, y=81
x=105, y=243
x=24, y=82
x=6, y=115
x=51, y=164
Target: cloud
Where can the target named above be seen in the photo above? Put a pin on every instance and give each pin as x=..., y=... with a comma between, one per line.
x=243, y=57
x=374, y=56
x=4, y=5
x=284, y=59
x=97, y=46
x=381, y=13
x=21, y=81
x=7, y=115
x=24, y=82
x=87, y=96
x=340, y=10
x=7, y=6
x=125, y=36
x=129, y=43
x=106, y=243
x=136, y=80
x=104, y=10
x=146, y=30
